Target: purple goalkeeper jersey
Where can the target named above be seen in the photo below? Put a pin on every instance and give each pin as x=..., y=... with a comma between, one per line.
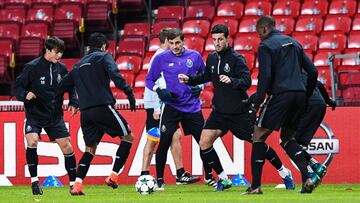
x=169, y=66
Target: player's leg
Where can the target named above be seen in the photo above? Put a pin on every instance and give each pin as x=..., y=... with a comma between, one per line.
x=147, y=156
x=176, y=151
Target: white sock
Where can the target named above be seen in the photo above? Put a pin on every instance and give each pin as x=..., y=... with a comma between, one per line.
x=283, y=172
x=223, y=176
x=79, y=180
x=71, y=183
x=33, y=179
x=115, y=173
x=313, y=161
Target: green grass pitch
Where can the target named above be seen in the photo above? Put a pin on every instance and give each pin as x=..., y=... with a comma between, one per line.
x=339, y=193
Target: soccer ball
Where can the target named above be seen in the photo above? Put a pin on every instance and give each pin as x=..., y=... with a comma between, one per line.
x=145, y=184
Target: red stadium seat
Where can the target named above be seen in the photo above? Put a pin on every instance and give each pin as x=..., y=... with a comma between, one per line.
x=112, y=48
x=15, y=16
x=128, y=76
x=200, y=2
x=354, y=40
x=249, y=59
x=337, y=23
x=334, y=41
x=40, y=15
x=140, y=79
x=75, y=4
x=205, y=98
x=9, y=32
x=209, y=45
x=234, y=8
x=205, y=55
x=131, y=47
x=347, y=7
x=146, y=61
x=164, y=24
x=137, y=30
x=258, y=8
x=286, y=8
x=44, y=4
x=200, y=12
x=66, y=24
x=285, y=24
x=324, y=76
x=131, y=6
x=351, y=95
x=6, y=48
x=17, y=4
x=321, y=58
x=247, y=24
x=356, y=23
x=309, y=24
x=170, y=12
x=154, y=44
x=139, y=92
x=97, y=14
x=314, y=7
x=195, y=43
x=246, y=42
x=129, y=63
x=232, y=23
x=309, y=41
x=198, y=27
x=69, y=62
x=351, y=63
x=353, y=79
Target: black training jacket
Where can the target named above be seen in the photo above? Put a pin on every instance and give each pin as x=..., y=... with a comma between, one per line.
x=91, y=78
x=228, y=98
x=281, y=60
x=42, y=78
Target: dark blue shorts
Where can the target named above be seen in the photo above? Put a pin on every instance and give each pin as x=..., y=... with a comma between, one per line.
x=55, y=129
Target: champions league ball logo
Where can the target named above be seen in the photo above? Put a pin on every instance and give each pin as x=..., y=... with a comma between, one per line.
x=326, y=145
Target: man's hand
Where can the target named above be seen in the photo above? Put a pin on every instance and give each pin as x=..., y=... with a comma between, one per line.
x=30, y=96
x=73, y=110
x=132, y=101
x=332, y=104
x=164, y=94
x=224, y=79
x=183, y=78
x=195, y=91
x=156, y=115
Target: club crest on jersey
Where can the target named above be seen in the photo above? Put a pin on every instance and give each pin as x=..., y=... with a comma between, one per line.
x=163, y=128
x=189, y=63
x=58, y=79
x=28, y=128
x=42, y=80
x=227, y=68
x=212, y=68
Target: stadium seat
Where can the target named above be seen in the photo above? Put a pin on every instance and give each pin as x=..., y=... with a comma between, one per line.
x=129, y=63
x=332, y=41
x=309, y=24
x=170, y=12
x=351, y=96
x=321, y=58
x=246, y=42
x=232, y=23
x=9, y=32
x=356, y=23
x=31, y=41
x=69, y=62
x=76, y=4
x=133, y=6
x=40, y=15
x=200, y=2
x=285, y=24
x=286, y=8
x=205, y=98
x=352, y=62
x=249, y=59
x=354, y=40
x=154, y=44
x=97, y=14
x=200, y=12
x=137, y=30
x=209, y=45
x=258, y=8
x=195, y=43
x=233, y=8
x=197, y=27
x=44, y=3
x=140, y=79
x=346, y=7
x=337, y=23
x=6, y=48
x=163, y=24
x=324, y=76
x=139, y=92
x=247, y=24
x=308, y=40
x=17, y=4
x=146, y=61
x=131, y=47
x=353, y=79
x=66, y=25
x=314, y=7
x=15, y=16
x=112, y=48
x=205, y=55
x=128, y=76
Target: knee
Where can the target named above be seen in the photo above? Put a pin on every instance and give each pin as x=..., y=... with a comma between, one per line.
x=204, y=143
x=32, y=143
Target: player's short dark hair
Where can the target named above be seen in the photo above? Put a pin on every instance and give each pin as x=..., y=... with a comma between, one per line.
x=97, y=40
x=55, y=43
x=163, y=35
x=220, y=28
x=265, y=21
x=174, y=33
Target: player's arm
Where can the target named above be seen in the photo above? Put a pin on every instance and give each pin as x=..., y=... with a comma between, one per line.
x=312, y=74
x=66, y=84
x=22, y=85
x=203, y=75
x=73, y=101
x=264, y=77
x=325, y=95
x=153, y=74
x=242, y=79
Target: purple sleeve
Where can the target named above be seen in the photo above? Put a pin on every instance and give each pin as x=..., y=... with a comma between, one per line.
x=153, y=74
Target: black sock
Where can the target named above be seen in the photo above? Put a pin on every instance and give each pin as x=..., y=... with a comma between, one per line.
x=307, y=156
x=84, y=165
x=70, y=166
x=273, y=158
x=257, y=162
x=32, y=161
x=121, y=155
x=295, y=152
x=180, y=172
x=145, y=173
x=212, y=159
x=207, y=168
